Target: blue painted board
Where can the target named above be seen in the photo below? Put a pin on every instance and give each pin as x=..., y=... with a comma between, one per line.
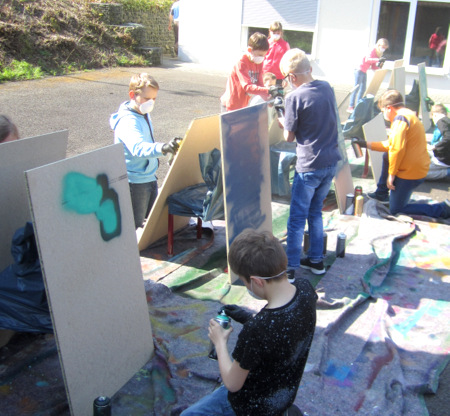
x=246, y=171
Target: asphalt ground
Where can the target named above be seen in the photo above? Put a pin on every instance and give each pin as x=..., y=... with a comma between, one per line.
x=83, y=103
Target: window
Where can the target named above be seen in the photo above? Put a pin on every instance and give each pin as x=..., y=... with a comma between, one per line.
x=408, y=26
x=295, y=38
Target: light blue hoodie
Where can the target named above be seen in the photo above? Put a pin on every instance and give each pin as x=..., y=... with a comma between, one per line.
x=135, y=132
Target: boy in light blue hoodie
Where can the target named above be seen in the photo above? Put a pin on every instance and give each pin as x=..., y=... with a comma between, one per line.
x=133, y=128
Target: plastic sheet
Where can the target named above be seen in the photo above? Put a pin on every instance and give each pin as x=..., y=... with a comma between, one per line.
x=204, y=200
x=363, y=113
x=23, y=302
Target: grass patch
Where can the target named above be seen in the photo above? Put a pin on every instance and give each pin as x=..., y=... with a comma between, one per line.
x=20, y=70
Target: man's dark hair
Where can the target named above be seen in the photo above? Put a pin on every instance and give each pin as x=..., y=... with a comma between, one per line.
x=255, y=253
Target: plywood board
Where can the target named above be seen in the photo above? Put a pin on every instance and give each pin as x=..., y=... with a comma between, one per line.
x=81, y=210
x=423, y=91
x=397, y=80
x=275, y=131
x=375, y=82
x=375, y=131
x=343, y=180
x=202, y=136
x=246, y=171
x=15, y=158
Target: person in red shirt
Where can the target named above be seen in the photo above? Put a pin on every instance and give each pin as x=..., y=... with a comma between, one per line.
x=374, y=60
x=277, y=48
x=433, y=43
x=246, y=78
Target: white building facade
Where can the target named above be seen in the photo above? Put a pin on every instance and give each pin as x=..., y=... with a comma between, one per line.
x=336, y=35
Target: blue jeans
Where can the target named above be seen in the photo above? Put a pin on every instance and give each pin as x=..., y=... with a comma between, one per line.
x=361, y=80
x=143, y=196
x=400, y=196
x=214, y=404
x=308, y=192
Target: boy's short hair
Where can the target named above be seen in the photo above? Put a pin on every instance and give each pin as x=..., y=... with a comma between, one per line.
x=7, y=128
x=269, y=76
x=383, y=41
x=392, y=98
x=439, y=108
x=142, y=80
x=276, y=27
x=258, y=42
x=255, y=253
x=294, y=61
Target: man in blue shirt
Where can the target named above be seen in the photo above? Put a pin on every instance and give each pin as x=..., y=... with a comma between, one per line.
x=310, y=119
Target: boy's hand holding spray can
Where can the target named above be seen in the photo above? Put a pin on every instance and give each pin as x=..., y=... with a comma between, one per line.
x=224, y=321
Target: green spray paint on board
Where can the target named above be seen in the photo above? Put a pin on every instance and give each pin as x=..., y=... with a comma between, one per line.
x=85, y=195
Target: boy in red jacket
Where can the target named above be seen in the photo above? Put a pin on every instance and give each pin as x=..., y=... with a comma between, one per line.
x=246, y=78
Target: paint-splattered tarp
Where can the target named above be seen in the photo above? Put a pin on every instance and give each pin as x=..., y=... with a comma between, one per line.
x=381, y=338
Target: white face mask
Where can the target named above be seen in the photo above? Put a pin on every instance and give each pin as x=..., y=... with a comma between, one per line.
x=276, y=37
x=257, y=59
x=251, y=293
x=147, y=107
x=382, y=50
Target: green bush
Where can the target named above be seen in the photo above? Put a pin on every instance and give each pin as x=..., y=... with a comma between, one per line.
x=20, y=70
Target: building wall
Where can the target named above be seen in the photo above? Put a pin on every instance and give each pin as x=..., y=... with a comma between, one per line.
x=210, y=32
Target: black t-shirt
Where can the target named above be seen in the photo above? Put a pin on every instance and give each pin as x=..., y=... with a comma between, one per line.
x=274, y=346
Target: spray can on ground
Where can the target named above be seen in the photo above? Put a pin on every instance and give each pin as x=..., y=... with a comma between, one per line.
x=358, y=191
x=102, y=406
x=340, y=245
x=359, y=203
x=224, y=321
x=349, y=201
x=306, y=242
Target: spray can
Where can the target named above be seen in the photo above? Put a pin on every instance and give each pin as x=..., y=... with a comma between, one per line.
x=358, y=191
x=356, y=148
x=359, y=203
x=348, y=203
x=306, y=242
x=224, y=321
x=102, y=406
x=340, y=245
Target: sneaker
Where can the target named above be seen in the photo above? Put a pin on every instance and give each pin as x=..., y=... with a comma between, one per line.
x=446, y=213
x=291, y=275
x=350, y=109
x=316, y=268
x=383, y=198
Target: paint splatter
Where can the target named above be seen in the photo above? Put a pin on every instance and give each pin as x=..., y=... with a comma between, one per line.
x=85, y=195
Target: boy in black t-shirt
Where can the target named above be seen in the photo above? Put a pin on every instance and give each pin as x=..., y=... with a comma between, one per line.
x=271, y=351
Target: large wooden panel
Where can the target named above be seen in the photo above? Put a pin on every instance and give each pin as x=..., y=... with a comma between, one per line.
x=423, y=91
x=202, y=136
x=82, y=215
x=375, y=82
x=397, y=80
x=246, y=171
x=15, y=158
x=343, y=180
x=375, y=131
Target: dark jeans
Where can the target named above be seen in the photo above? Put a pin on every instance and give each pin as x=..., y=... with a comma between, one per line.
x=143, y=196
x=400, y=196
